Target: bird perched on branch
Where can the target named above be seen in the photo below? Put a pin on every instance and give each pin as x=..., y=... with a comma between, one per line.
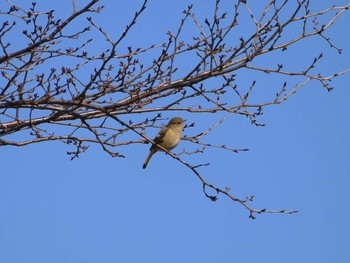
x=168, y=138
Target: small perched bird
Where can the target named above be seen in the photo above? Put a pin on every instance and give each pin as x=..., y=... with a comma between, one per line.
x=168, y=137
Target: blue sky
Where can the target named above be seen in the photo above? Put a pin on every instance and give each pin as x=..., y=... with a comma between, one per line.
x=102, y=209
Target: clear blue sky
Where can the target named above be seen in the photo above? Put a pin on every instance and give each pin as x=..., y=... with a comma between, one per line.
x=103, y=209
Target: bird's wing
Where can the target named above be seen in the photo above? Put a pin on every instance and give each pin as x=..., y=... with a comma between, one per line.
x=159, y=137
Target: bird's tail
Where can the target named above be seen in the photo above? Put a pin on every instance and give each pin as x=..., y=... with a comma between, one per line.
x=148, y=158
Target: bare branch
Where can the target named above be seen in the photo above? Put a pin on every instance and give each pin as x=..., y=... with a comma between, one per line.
x=62, y=86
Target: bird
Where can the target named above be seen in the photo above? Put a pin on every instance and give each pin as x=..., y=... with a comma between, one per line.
x=168, y=138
